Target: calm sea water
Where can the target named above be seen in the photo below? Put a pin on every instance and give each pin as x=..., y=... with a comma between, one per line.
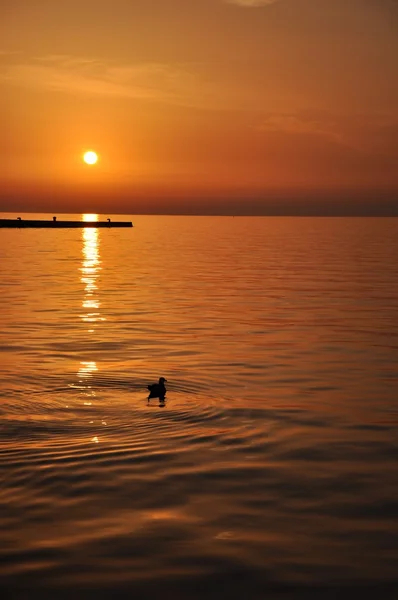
x=273, y=465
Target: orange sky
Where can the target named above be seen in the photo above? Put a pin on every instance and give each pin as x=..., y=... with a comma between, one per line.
x=198, y=105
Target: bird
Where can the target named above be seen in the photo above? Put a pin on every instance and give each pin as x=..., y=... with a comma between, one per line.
x=157, y=390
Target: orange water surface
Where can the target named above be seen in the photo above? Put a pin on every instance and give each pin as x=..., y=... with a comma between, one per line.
x=272, y=467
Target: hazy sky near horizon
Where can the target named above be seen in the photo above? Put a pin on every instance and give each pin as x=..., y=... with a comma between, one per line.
x=196, y=101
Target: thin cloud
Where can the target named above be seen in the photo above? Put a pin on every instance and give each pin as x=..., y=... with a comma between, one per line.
x=373, y=133
x=303, y=122
x=176, y=84
x=147, y=81
x=251, y=3
x=256, y=3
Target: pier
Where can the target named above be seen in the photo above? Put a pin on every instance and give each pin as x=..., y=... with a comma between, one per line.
x=55, y=224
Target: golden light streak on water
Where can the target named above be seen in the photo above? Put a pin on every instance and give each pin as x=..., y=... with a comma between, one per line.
x=87, y=369
x=90, y=269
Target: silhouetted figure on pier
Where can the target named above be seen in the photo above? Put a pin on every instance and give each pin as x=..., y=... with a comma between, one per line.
x=157, y=390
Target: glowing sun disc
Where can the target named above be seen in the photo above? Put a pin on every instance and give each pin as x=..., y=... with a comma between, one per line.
x=90, y=157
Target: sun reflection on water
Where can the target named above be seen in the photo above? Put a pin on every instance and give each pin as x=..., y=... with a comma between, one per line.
x=90, y=271
x=87, y=368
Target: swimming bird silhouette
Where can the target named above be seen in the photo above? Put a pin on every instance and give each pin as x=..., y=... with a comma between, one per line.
x=157, y=390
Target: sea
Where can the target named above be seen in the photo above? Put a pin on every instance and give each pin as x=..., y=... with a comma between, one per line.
x=271, y=471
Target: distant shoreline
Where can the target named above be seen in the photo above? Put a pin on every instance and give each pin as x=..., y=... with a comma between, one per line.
x=312, y=214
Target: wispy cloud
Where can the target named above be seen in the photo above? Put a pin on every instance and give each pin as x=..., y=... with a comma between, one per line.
x=179, y=84
x=374, y=133
x=251, y=3
x=302, y=122
x=146, y=81
x=256, y=3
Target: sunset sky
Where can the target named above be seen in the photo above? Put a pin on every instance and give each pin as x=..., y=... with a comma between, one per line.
x=199, y=106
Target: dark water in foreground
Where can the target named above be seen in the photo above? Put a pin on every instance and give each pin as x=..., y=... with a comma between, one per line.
x=272, y=469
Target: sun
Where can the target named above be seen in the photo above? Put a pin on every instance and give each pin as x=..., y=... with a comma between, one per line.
x=90, y=157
